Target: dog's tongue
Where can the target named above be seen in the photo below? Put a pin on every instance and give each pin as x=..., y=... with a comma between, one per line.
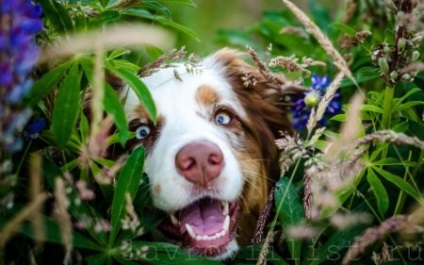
x=204, y=216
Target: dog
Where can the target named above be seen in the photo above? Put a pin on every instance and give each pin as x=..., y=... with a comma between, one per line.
x=211, y=156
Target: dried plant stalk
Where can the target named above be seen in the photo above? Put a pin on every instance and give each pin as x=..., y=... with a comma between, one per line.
x=15, y=223
x=349, y=132
x=388, y=136
x=323, y=104
x=118, y=36
x=64, y=220
x=371, y=235
x=97, y=92
x=325, y=43
x=36, y=187
x=261, y=223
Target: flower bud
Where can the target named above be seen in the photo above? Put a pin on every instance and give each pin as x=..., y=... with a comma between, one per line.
x=401, y=44
x=415, y=55
x=417, y=40
x=406, y=77
x=394, y=75
x=384, y=66
x=311, y=99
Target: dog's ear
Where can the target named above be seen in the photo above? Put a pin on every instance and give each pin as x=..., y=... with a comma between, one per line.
x=259, y=95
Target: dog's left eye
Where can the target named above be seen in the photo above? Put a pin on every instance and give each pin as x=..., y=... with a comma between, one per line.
x=142, y=132
x=223, y=118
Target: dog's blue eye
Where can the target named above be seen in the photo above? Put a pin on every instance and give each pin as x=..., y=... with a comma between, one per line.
x=222, y=118
x=142, y=132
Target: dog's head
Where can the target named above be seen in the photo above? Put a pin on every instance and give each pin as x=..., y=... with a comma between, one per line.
x=211, y=153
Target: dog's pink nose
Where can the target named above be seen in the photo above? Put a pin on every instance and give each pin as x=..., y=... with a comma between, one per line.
x=200, y=162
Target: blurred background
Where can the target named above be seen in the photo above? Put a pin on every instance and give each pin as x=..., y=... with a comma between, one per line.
x=219, y=23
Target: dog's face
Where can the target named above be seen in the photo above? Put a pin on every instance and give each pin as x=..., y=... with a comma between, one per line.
x=210, y=154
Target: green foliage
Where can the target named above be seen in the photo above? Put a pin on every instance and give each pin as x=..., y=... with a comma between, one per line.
x=108, y=199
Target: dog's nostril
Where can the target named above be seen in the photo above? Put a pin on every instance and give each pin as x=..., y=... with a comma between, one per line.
x=200, y=162
x=215, y=159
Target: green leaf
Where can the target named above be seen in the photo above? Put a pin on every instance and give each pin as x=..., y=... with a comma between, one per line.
x=138, y=87
x=84, y=128
x=66, y=108
x=113, y=107
x=401, y=127
x=161, y=19
x=407, y=105
x=53, y=234
x=372, y=108
x=379, y=191
x=45, y=84
x=290, y=211
x=159, y=8
x=57, y=15
x=399, y=182
x=363, y=75
x=338, y=241
x=344, y=28
x=181, y=2
x=117, y=53
x=108, y=16
x=128, y=182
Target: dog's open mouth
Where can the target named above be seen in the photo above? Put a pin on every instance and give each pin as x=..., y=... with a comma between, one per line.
x=205, y=227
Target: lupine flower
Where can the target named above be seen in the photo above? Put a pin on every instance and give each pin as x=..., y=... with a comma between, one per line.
x=303, y=105
x=20, y=21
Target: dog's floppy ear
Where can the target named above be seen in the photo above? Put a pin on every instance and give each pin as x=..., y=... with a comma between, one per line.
x=259, y=95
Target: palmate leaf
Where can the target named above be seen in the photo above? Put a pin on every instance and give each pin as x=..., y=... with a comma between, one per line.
x=67, y=107
x=45, y=84
x=290, y=212
x=379, y=191
x=399, y=182
x=128, y=182
x=338, y=241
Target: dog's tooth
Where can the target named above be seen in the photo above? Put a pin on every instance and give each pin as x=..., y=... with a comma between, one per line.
x=225, y=208
x=190, y=231
x=226, y=225
x=174, y=220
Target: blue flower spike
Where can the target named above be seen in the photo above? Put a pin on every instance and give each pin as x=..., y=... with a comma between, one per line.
x=21, y=21
x=310, y=99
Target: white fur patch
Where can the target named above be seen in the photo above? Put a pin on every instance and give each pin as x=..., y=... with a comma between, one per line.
x=185, y=121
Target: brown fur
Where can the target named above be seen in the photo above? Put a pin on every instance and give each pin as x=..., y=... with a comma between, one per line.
x=266, y=119
x=206, y=95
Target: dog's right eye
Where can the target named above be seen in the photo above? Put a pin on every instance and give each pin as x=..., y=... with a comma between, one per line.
x=142, y=132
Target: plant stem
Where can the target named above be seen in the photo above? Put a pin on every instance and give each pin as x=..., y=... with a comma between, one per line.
x=401, y=197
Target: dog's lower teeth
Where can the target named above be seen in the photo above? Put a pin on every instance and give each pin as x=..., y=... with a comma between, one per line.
x=193, y=235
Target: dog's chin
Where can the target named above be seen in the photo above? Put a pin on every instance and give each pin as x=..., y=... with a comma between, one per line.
x=206, y=227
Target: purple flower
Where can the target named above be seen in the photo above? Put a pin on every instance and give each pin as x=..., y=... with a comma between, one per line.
x=302, y=105
x=21, y=20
